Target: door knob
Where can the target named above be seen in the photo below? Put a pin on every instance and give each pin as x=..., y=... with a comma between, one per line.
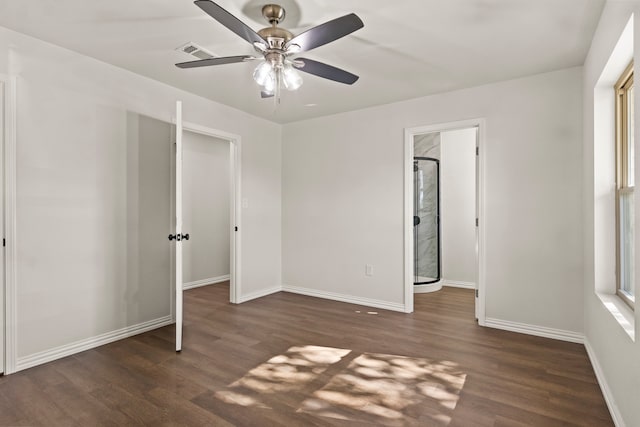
x=179, y=237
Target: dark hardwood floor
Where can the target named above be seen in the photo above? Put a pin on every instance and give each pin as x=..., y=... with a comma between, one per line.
x=292, y=360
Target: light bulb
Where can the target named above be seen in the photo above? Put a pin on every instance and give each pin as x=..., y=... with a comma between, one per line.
x=291, y=78
x=270, y=82
x=263, y=73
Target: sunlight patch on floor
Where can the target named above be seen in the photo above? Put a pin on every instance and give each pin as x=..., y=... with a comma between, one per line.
x=383, y=388
x=373, y=388
x=288, y=372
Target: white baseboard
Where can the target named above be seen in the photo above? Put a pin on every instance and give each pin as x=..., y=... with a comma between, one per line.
x=540, y=331
x=89, y=343
x=205, y=282
x=344, y=298
x=259, y=294
x=458, y=284
x=606, y=391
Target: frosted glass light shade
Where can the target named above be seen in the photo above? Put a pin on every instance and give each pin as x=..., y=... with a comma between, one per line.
x=264, y=74
x=291, y=78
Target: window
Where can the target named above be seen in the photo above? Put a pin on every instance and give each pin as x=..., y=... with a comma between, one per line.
x=625, y=177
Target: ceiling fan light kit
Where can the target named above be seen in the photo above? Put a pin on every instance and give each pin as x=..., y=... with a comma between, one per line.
x=278, y=69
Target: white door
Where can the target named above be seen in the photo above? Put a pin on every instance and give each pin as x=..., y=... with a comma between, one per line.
x=178, y=230
x=2, y=291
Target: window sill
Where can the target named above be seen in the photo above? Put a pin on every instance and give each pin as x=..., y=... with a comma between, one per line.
x=621, y=312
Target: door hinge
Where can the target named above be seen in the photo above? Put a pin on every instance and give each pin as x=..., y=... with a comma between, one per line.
x=476, y=293
x=4, y=243
x=236, y=228
x=476, y=222
x=477, y=151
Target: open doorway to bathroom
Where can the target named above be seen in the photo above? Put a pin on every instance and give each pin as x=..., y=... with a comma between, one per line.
x=442, y=209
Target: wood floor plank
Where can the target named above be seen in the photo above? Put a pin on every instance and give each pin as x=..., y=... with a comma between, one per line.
x=293, y=360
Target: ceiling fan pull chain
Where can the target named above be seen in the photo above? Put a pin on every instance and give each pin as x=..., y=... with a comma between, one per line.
x=278, y=84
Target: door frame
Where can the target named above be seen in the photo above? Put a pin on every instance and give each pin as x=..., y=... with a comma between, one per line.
x=409, y=134
x=8, y=223
x=235, y=237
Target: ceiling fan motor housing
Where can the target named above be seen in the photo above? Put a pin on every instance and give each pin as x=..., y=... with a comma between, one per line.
x=276, y=37
x=273, y=13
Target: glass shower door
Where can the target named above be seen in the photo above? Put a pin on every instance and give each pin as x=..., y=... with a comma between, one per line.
x=426, y=220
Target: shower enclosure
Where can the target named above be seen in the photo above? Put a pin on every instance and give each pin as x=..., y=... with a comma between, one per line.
x=426, y=220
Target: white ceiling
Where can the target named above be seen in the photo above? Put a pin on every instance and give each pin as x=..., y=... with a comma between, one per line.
x=407, y=48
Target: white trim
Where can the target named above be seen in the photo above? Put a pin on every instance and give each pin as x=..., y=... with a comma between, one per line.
x=458, y=284
x=539, y=331
x=604, y=386
x=259, y=294
x=620, y=311
x=10, y=251
x=89, y=343
x=205, y=282
x=481, y=296
x=409, y=133
x=344, y=298
x=408, y=223
x=207, y=131
x=235, y=285
x=235, y=237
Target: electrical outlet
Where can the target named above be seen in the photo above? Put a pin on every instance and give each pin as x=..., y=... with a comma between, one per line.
x=368, y=270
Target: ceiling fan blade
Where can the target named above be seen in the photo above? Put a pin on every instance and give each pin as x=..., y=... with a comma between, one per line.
x=264, y=94
x=326, y=33
x=326, y=71
x=230, y=21
x=215, y=61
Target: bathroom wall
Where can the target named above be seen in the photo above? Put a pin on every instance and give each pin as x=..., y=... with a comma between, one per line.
x=427, y=145
x=458, y=207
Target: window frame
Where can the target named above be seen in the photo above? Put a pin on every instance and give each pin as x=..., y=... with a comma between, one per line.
x=622, y=88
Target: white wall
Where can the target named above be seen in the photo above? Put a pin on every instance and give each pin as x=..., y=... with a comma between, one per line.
x=343, y=197
x=458, y=205
x=72, y=133
x=206, y=204
x=134, y=208
x=615, y=356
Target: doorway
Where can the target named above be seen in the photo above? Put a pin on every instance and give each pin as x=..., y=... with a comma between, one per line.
x=443, y=210
x=206, y=200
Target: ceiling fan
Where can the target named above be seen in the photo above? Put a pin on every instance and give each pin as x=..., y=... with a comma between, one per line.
x=278, y=46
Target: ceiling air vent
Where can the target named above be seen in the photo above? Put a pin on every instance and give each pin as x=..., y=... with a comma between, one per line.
x=195, y=50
